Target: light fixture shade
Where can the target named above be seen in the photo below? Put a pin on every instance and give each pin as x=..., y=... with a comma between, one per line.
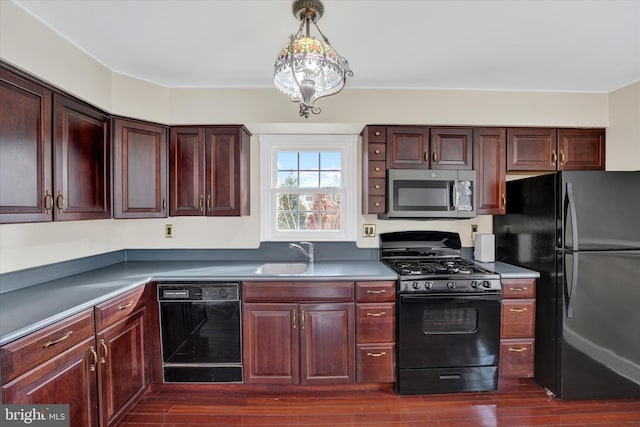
x=308, y=59
x=307, y=68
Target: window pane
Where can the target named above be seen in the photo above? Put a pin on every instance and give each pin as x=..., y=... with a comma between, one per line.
x=309, y=160
x=324, y=212
x=330, y=179
x=330, y=160
x=288, y=179
x=287, y=160
x=309, y=179
x=288, y=212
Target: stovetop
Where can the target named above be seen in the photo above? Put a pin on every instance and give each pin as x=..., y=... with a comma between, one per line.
x=430, y=262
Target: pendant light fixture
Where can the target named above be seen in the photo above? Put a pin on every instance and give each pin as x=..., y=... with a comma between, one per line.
x=308, y=68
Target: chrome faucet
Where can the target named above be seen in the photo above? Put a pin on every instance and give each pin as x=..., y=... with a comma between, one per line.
x=308, y=253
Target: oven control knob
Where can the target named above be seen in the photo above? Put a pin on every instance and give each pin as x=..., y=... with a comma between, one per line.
x=223, y=293
x=428, y=284
x=451, y=285
x=415, y=285
x=486, y=284
x=475, y=284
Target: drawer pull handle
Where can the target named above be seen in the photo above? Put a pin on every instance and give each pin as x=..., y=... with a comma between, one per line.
x=376, y=291
x=127, y=305
x=517, y=349
x=382, y=353
x=554, y=157
x=48, y=202
x=294, y=319
x=563, y=159
x=517, y=310
x=103, y=359
x=54, y=342
x=60, y=202
x=302, y=319
x=519, y=289
x=376, y=314
x=434, y=157
x=92, y=368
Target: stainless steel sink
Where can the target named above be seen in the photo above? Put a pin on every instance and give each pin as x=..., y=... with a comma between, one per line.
x=283, y=268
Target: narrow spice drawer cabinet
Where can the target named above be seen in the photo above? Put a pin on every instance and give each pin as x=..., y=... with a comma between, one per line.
x=517, y=331
x=375, y=331
x=374, y=169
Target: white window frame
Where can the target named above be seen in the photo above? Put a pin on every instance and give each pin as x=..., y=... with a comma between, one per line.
x=269, y=147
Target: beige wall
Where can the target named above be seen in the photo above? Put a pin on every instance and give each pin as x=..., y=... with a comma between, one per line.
x=27, y=43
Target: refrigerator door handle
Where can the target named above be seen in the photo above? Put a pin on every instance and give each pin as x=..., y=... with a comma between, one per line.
x=569, y=202
x=570, y=291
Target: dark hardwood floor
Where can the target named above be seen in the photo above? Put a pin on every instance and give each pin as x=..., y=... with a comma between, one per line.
x=516, y=403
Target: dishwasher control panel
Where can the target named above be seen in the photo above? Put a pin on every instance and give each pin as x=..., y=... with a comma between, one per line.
x=219, y=291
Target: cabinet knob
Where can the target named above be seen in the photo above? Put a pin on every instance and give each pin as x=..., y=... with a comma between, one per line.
x=377, y=187
x=377, y=133
x=377, y=151
x=377, y=204
x=377, y=169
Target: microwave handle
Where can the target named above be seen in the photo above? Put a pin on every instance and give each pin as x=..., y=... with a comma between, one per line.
x=453, y=186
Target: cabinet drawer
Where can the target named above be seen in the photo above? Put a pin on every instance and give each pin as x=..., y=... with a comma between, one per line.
x=516, y=358
x=118, y=308
x=518, y=318
x=375, y=322
x=376, y=204
x=24, y=354
x=376, y=186
x=376, y=151
x=377, y=169
x=518, y=288
x=382, y=291
x=294, y=291
x=376, y=133
x=375, y=363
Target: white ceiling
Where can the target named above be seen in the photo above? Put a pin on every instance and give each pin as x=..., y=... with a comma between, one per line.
x=554, y=45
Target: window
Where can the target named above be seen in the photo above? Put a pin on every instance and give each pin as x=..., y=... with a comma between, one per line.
x=308, y=187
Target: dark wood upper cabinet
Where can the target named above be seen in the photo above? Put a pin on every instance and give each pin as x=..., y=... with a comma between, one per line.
x=209, y=171
x=489, y=145
x=407, y=147
x=82, y=167
x=531, y=149
x=139, y=169
x=581, y=149
x=25, y=150
x=451, y=148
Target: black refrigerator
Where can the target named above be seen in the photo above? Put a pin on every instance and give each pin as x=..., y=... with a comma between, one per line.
x=581, y=232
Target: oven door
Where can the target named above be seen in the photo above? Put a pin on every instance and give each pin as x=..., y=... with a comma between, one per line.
x=439, y=331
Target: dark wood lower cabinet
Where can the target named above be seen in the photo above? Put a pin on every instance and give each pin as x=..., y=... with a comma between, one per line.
x=69, y=378
x=298, y=343
x=121, y=349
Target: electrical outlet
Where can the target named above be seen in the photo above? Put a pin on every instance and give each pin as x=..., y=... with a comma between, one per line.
x=369, y=230
x=168, y=231
x=474, y=230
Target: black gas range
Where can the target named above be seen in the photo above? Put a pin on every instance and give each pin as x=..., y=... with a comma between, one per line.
x=448, y=314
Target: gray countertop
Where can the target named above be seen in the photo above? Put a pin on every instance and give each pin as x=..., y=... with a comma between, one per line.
x=26, y=310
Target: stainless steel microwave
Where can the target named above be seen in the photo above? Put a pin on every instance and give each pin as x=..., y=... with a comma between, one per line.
x=428, y=193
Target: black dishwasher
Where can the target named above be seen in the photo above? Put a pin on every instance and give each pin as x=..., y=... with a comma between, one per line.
x=200, y=332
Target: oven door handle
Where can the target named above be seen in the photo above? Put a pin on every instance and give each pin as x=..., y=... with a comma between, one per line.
x=422, y=299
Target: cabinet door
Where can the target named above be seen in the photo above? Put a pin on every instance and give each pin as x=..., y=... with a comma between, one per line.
x=407, y=147
x=270, y=343
x=451, y=148
x=327, y=343
x=187, y=171
x=226, y=163
x=82, y=178
x=121, y=350
x=68, y=378
x=531, y=149
x=489, y=145
x=140, y=170
x=581, y=149
x=25, y=150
